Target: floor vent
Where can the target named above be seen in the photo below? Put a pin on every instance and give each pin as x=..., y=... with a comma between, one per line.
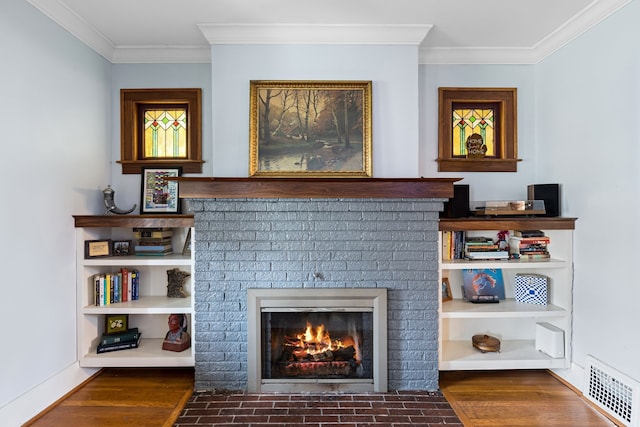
x=611, y=390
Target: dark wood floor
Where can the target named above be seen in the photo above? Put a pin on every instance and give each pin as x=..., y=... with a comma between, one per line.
x=155, y=397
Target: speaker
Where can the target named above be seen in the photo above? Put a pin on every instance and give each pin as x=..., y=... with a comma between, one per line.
x=458, y=205
x=550, y=193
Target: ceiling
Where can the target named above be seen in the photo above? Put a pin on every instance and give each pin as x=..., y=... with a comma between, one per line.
x=461, y=31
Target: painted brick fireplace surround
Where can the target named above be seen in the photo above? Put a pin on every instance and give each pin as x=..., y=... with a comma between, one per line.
x=259, y=234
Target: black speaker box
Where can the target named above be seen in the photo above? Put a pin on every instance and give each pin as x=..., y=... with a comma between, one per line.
x=458, y=205
x=550, y=193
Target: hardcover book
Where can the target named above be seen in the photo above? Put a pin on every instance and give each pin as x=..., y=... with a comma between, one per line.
x=486, y=281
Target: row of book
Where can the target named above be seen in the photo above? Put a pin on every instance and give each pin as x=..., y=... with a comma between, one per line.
x=120, y=286
x=153, y=241
x=524, y=244
x=120, y=340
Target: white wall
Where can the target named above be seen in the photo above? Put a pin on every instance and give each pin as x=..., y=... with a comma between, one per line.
x=588, y=113
x=392, y=69
x=55, y=140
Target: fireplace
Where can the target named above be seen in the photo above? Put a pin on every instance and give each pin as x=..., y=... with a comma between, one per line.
x=317, y=340
x=333, y=236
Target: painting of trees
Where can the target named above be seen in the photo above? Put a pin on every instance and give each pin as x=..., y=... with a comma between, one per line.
x=310, y=128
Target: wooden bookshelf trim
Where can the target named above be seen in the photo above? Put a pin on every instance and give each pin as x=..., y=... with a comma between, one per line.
x=126, y=221
x=489, y=223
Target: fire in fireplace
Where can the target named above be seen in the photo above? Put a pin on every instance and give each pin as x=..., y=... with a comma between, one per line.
x=317, y=340
x=317, y=345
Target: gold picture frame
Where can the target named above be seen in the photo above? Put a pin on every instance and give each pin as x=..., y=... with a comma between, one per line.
x=116, y=323
x=503, y=103
x=297, y=128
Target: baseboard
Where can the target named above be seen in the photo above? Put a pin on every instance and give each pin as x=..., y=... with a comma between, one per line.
x=45, y=395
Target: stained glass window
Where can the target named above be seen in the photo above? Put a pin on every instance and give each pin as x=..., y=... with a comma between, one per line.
x=469, y=121
x=165, y=133
x=161, y=128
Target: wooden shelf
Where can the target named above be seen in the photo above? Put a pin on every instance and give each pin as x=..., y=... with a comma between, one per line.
x=502, y=223
x=146, y=221
x=316, y=187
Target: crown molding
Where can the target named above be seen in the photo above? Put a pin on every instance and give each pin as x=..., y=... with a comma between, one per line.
x=589, y=17
x=315, y=34
x=70, y=21
x=593, y=14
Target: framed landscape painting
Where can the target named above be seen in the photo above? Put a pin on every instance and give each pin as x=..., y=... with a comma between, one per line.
x=310, y=128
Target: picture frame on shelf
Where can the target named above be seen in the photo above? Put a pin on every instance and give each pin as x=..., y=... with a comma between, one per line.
x=97, y=248
x=116, y=323
x=446, y=290
x=186, y=249
x=159, y=195
x=121, y=247
x=297, y=128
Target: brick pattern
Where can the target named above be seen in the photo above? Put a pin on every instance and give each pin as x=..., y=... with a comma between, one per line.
x=313, y=243
x=318, y=410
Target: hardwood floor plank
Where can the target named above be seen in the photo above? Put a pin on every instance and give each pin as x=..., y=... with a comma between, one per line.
x=518, y=399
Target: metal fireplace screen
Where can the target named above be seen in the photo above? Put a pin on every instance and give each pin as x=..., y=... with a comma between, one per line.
x=317, y=345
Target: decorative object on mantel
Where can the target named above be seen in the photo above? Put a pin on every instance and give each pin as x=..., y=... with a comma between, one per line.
x=310, y=128
x=477, y=130
x=175, y=286
x=108, y=196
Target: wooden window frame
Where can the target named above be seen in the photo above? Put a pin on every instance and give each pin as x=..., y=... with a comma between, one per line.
x=133, y=101
x=504, y=100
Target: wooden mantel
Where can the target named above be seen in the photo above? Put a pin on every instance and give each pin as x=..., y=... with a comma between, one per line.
x=205, y=188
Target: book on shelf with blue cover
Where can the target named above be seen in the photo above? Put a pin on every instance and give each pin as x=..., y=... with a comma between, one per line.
x=483, y=281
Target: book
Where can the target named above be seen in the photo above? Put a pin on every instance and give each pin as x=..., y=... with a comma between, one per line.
x=486, y=255
x=152, y=234
x=152, y=248
x=478, y=240
x=121, y=337
x=528, y=233
x=119, y=346
x=483, y=282
x=154, y=242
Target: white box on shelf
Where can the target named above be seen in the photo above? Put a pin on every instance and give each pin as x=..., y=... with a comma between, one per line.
x=549, y=339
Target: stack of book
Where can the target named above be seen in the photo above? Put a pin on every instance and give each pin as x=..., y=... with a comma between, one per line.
x=483, y=248
x=153, y=241
x=119, y=341
x=529, y=245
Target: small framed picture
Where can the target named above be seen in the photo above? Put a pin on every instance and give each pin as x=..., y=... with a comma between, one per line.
x=116, y=323
x=158, y=194
x=121, y=247
x=446, y=290
x=97, y=248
